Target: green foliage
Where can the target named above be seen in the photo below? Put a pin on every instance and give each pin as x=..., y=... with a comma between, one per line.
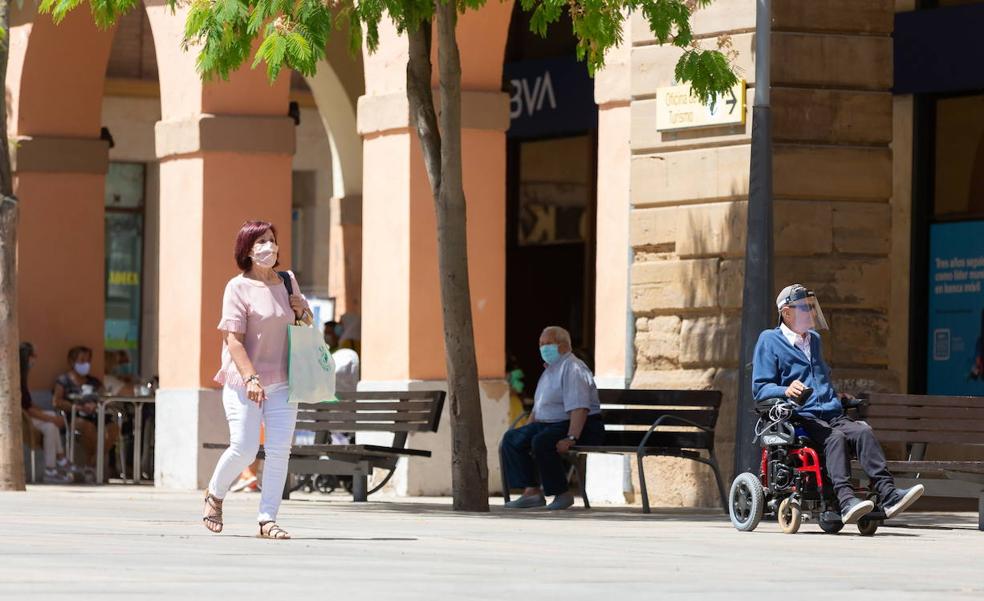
x=104, y=12
x=293, y=33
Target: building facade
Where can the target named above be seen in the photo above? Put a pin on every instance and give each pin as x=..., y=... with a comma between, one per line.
x=599, y=205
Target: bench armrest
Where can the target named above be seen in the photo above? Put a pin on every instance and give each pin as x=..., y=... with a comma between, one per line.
x=659, y=422
x=858, y=404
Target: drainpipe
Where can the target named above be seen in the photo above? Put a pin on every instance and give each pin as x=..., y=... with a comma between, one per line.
x=758, y=311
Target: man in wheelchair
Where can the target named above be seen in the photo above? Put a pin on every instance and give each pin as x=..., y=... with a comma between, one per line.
x=788, y=363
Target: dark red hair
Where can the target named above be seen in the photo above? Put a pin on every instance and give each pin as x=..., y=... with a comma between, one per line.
x=249, y=233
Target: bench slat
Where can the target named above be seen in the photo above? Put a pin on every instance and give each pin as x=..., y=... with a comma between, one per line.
x=368, y=406
x=349, y=416
x=646, y=417
x=322, y=426
x=656, y=398
x=976, y=467
x=354, y=449
x=677, y=440
x=931, y=412
x=916, y=400
x=942, y=437
x=928, y=424
x=418, y=395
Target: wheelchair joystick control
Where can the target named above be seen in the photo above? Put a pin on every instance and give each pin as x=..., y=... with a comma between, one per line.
x=804, y=396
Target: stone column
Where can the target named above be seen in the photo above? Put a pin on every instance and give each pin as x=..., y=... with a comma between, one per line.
x=832, y=107
x=59, y=165
x=216, y=172
x=345, y=256
x=832, y=178
x=402, y=335
x=225, y=153
x=61, y=250
x=607, y=481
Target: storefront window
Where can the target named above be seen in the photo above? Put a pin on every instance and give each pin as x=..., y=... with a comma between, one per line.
x=959, y=180
x=955, y=359
x=124, y=258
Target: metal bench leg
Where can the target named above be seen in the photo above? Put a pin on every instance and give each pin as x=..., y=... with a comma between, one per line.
x=642, y=485
x=288, y=484
x=717, y=478
x=504, y=476
x=360, y=483
x=581, y=463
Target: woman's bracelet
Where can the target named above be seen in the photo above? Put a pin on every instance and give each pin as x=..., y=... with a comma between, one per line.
x=253, y=378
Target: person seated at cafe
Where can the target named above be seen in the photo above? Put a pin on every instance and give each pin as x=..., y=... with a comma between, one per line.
x=119, y=380
x=346, y=359
x=566, y=412
x=79, y=388
x=57, y=469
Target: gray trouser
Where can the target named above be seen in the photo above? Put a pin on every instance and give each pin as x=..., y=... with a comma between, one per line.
x=842, y=437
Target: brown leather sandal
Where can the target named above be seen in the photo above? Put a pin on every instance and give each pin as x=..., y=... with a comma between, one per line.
x=213, y=513
x=272, y=530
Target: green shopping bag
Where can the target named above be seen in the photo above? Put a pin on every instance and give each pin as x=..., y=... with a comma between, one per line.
x=310, y=368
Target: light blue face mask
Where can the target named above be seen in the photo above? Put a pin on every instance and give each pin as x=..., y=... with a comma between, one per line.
x=550, y=353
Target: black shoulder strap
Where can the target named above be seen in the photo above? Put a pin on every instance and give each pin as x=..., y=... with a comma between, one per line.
x=286, y=278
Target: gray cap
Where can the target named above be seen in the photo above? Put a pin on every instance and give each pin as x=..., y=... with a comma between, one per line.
x=785, y=295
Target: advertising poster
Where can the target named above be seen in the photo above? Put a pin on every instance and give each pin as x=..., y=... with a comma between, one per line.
x=955, y=361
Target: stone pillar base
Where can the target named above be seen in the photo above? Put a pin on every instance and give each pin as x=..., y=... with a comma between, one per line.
x=185, y=420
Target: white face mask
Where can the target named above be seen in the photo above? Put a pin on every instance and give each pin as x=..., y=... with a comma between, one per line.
x=82, y=368
x=265, y=254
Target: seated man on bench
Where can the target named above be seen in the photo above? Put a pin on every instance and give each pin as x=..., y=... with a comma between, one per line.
x=787, y=362
x=566, y=410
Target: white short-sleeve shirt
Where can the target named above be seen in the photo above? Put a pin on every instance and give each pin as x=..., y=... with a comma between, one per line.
x=565, y=386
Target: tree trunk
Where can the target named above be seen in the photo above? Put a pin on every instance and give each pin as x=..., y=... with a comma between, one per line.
x=442, y=157
x=11, y=445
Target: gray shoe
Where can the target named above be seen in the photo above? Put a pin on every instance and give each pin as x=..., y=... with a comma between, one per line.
x=561, y=501
x=854, y=509
x=527, y=502
x=903, y=499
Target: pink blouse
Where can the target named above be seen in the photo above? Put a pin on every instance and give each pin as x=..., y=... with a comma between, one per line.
x=260, y=312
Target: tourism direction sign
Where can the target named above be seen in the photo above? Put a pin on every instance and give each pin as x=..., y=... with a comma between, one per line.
x=679, y=109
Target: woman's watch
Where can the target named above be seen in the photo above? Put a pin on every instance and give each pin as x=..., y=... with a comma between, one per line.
x=571, y=438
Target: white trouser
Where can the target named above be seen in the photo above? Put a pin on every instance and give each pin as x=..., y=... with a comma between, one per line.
x=278, y=417
x=51, y=439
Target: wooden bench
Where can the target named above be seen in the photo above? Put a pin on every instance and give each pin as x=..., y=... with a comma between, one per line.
x=651, y=423
x=920, y=420
x=398, y=413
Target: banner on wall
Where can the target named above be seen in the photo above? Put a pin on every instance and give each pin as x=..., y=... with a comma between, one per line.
x=955, y=361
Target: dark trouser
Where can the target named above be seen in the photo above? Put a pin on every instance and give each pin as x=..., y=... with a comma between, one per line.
x=842, y=437
x=532, y=450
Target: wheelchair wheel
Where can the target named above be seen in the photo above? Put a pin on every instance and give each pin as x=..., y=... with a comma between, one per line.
x=790, y=516
x=868, y=527
x=830, y=526
x=746, y=503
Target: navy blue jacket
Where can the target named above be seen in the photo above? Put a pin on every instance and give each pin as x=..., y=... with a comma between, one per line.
x=777, y=363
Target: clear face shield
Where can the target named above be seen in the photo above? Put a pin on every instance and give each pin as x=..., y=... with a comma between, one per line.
x=803, y=311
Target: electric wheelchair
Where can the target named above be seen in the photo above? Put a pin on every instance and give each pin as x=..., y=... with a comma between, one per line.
x=792, y=484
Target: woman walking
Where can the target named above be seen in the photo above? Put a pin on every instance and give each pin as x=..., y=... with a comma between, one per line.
x=256, y=310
